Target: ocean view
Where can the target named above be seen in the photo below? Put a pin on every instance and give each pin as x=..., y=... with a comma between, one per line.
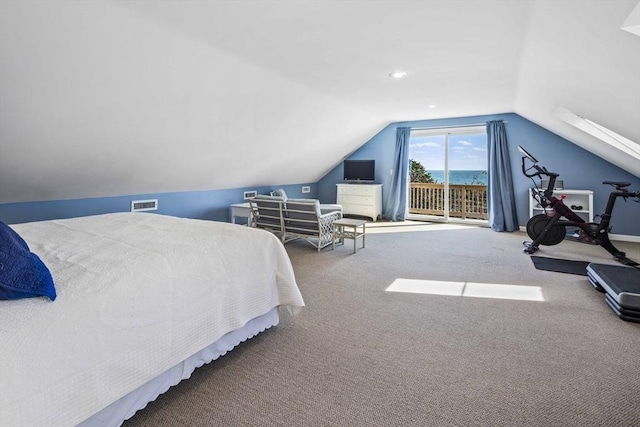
x=460, y=177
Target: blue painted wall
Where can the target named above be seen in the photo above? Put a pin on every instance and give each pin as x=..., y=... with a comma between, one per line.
x=578, y=168
x=211, y=205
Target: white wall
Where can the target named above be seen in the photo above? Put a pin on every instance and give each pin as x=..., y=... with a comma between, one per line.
x=97, y=100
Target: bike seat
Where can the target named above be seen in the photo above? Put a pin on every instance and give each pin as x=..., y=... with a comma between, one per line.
x=617, y=184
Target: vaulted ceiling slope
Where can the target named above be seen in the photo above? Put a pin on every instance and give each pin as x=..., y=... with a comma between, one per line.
x=109, y=98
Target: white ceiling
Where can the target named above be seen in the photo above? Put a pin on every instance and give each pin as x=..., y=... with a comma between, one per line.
x=463, y=56
x=130, y=97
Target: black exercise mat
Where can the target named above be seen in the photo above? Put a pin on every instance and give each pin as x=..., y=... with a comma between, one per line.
x=560, y=265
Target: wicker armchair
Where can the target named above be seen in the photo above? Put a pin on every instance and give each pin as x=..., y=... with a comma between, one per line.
x=303, y=219
x=267, y=214
x=293, y=219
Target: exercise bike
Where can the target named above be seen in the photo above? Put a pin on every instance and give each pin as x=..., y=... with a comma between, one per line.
x=549, y=228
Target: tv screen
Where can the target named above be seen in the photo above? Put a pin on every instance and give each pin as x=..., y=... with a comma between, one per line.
x=359, y=170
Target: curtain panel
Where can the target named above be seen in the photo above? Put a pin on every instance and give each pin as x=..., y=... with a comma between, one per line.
x=396, y=200
x=502, y=204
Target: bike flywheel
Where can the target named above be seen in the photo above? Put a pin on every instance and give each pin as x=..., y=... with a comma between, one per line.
x=553, y=236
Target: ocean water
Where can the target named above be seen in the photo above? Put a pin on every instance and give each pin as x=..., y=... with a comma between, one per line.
x=461, y=176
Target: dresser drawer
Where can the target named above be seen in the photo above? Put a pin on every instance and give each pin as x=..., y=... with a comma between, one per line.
x=344, y=199
x=356, y=190
x=363, y=210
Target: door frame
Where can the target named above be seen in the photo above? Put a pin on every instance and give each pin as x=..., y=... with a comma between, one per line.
x=446, y=132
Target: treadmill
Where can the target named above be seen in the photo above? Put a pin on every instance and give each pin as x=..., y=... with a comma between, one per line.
x=621, y=284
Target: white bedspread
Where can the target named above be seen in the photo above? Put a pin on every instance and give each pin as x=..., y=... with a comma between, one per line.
x=137, y=293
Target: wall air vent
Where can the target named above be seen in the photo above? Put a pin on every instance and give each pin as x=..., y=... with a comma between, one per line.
x=144, y=205
x=250, y=194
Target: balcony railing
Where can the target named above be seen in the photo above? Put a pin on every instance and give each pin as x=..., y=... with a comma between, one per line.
x=465, y=201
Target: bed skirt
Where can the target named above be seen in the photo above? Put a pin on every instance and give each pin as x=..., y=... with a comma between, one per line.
x=124, y=408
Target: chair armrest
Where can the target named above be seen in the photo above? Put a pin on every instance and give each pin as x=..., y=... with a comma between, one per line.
x=330, y=216
x=328, y=208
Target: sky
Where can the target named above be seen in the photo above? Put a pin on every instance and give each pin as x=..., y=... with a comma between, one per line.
x=466, y=152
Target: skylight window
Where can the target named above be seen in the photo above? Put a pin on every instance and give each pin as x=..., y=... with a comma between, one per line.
x=597, y=130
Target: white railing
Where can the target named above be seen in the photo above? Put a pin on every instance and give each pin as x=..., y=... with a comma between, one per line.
x=465, y=201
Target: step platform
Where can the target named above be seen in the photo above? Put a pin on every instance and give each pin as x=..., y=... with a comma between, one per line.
x=622, y=288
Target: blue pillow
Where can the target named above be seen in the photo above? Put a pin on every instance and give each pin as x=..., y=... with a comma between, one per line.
x=22, y=273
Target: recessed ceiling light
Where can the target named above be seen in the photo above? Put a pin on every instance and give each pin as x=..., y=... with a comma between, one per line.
x=432, y=106
x=398, y=74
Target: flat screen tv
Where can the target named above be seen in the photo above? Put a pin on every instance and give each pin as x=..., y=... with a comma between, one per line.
x=359, y=170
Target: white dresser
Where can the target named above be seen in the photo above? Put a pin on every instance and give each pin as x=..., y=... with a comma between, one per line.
x=361, y=199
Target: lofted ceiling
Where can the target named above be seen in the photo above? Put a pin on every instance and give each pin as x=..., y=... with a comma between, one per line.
x=110, y=97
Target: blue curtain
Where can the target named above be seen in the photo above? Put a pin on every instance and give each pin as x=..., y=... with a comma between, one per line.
x=502, y=204
x=396, y=201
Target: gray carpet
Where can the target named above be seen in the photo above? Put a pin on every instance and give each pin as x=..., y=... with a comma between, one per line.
x=358, y=355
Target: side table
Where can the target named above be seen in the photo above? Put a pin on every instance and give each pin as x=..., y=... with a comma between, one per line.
x=348, y=229
x=242, y=210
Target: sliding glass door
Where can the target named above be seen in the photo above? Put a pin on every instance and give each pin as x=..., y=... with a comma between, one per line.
x=448, y=174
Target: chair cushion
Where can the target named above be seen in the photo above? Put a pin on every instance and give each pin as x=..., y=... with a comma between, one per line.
x=268, y=197
x=303, y=214
x=311, y=205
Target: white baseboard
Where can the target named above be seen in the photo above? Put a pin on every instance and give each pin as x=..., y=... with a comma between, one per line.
x=624, y=238
x=614, y=237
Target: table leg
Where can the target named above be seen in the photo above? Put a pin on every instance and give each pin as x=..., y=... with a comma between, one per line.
x=355, y=238
x=333, y=237
x=364, y=233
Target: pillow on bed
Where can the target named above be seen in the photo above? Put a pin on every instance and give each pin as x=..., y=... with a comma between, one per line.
x=22, y=273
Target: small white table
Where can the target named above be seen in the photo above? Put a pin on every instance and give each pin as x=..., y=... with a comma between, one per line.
x=242, y=210
x=340, y=231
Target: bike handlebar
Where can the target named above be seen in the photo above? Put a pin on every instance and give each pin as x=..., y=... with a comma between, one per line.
x=540, y=170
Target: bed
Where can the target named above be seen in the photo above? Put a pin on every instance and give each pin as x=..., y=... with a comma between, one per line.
x=141, y=300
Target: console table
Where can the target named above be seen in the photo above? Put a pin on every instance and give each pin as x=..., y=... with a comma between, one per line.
x=242, y=210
